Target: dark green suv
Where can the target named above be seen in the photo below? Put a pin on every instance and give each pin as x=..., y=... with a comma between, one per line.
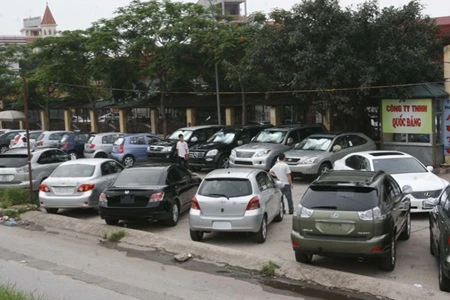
x=440, y=236
x=352, y=213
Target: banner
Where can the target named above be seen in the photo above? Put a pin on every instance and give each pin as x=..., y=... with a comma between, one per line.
x=407, y=116
x=446, y=125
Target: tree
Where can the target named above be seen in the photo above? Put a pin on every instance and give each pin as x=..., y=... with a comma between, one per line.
x=9, y=82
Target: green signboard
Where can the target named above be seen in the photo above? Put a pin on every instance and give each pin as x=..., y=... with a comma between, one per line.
x=407, y=116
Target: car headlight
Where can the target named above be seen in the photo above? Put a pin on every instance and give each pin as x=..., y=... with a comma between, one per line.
x=212, y=152
x=168, y=149
x=233, y=152
x=309, y=161
x=262, y=153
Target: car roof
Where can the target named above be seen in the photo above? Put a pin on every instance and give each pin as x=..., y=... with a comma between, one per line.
x=54, y=131
x=349, y=178
x=201, y=127
x=108, y=133
x=293, y=126
x=232, y=173
x=138, y=134
x=382, y=154
x=88, y=161
x=335, y=134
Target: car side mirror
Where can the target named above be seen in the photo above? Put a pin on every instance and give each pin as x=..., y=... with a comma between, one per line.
x=407, y=189
x=430, y=203
x=336, y=148
x=430, y=168
x=290, y=141
x=240, y=142
x=194, y=139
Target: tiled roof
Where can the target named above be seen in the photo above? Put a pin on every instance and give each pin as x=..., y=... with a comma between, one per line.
x=443, y=21
x=48, y=17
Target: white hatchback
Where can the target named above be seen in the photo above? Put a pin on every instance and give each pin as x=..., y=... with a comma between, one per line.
x=404, y=168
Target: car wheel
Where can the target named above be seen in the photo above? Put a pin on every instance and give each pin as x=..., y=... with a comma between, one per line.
x=101, y=155
x=113, y=222
x=196, y=235
x=3, y=149
x=388, y=263
x=280, y=215
x=51, y=210
x=444, y=281
x=224, y=162
x=325, y=167
x=261, y=235
x=431, y=244
x=128, y=161
x=73, y=155
x=174, y=215
x=305, y=258
x=406, y=233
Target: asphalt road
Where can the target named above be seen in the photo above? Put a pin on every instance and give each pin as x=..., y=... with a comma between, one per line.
x=415, y=265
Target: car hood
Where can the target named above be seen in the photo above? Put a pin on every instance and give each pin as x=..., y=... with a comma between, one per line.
x=263, y=146
x=304, y=154
x=209, y=146
x=420, y=181
x=165, y=143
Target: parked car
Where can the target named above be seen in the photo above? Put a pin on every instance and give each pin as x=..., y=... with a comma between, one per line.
x=440, y=236
x=14, y=166
x=239, y=200
x=165, y=150
x=112, y=116
x=131, y=148
x=73, y=143
x=100, y=145
x=20, y=140
x=355, y=213
x=80, y=119
x=406, y=170
x=50, y=139
x=262, y=152
x=5, y=139
x=77, y=184
x=157, y=192
x=215, y=152
x=318, y=152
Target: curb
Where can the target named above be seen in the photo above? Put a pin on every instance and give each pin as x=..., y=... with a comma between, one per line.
x=226, y=256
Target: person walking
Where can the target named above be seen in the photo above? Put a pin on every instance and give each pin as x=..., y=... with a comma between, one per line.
x=182, y=151
x=282, y=172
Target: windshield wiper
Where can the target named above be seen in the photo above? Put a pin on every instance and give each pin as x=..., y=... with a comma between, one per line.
x=324, y=207
x=216, y=195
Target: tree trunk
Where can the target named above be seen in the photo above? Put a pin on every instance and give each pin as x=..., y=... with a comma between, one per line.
x=162, y=111
x=244, y=104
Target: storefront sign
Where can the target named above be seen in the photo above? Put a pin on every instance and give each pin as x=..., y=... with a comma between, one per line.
x=408, y=116
x=446, y=129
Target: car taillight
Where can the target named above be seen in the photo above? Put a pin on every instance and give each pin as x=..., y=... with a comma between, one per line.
x=103, y=197
x=253, y=203
x=295, y=244
x=194, y=204
x=121, y=149
x=371, y=214
x=40, y=143
x=156, y=197
x=92, y=146
x=377, y=249
x=44, y=188
x=65, y=145
x=16, y=140
x=85, y=187
x=448, y=240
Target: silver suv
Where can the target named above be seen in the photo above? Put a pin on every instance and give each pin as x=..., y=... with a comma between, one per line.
x=50, y=139
x=317, y=153
x=262, y=152
x=100, y=145
x=14, y=166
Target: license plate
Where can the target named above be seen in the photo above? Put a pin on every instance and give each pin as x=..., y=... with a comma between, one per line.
x=6, y=177
x=127, y=199
x=220, y=225
x=64, y=190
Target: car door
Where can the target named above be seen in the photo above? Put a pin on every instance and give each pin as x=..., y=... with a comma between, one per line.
x=178, y=186
x=191, y=186
x=201, y=136
x=401, y=201
x=444, y=229
x=437, y=218
x=274, y=197
x=139, y=144
x=393, y=204
x=264, y=192
x=340, y=141
x=53, y=139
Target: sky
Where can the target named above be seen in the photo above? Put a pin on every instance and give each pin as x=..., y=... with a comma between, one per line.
x=79, y=14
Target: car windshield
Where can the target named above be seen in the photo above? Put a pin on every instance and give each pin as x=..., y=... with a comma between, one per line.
x=186, y=134
x=318, y=143
x=399, y=165
x=13, y=161
x=225, y=187
x=270, y=136
x=119, y=141
x=64, y=138
x=139, y=177
x=73, y=171
x=348, y=198
x=222, y=137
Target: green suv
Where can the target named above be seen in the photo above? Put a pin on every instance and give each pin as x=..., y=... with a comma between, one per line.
x=352, y=213
x=440, y=236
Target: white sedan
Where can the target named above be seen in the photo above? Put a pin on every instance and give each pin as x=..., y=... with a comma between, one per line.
x=406, y=170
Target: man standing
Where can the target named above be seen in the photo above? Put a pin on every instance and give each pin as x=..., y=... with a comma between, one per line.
x=282, y=172
x=182, y=151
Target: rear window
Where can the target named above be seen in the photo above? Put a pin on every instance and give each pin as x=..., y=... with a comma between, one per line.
x=56, y=136
x=348, y=198
x=34, y=135
x=227, y=187
x=91, y=139
x=139, y=177
x=13, y=161
x=64, y=138
x=74, y=171
x=41, y=137
x=119, y=141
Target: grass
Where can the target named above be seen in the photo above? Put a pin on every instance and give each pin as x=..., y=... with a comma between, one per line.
x=115, y=236
x=269, y=268
x=8, y=292
x=15, y=196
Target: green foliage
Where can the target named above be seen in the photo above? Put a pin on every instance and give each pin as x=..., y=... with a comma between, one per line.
x=269, y=268
x=115, y=236
x=8, y=292
x=15, y=196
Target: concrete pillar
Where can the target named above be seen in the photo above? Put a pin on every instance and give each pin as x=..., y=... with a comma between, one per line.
x=275, y=115
x=68, y=120
x=22, y=125
x=327, y=119
x=92, y=117
x=230, y=116
x=45, y=124
x=191, y=116
x=154, y=117
x=123, y=120
x=1, y=124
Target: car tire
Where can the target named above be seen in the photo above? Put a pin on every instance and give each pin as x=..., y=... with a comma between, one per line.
x=174, y=214
x=431, y=244
x=112, y=222
x=196, y=236
x=52, y=210
x=324, y=168
x=128, y=161
x=223, y=162
x=261, y=235
x=101, y=155
x=388, y=263
x=305, y=258
x=73, y=154
x=406, y=233
x=279, y=217
x=444, y=281
x=3, y=148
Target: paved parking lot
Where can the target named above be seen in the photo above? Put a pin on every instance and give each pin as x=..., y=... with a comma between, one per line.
x=415, y=265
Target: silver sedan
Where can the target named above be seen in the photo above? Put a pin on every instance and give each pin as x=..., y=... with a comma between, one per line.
x=78, y=183
x=242, y=200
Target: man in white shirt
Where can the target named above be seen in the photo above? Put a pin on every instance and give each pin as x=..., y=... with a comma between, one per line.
x=182, y=151
x=282, y=172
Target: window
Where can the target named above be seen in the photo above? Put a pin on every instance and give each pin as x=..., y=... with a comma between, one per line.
x=137, y=140
x=173, y=176
x=105, y=169
x=390, y=191
x=261, y=181
x=13, y=160
x=356, y=140
x=200, y=134
x=74, y=171
x=56, y=136
x=45, y=158
x=211, y=131
x=228, y=187
x=446, y=207
x=358, y=162
x=152, y=139
x=139, y=177
x=444, y=196
x=293, y=137
x=109, y=139
x=269, y=181
x=340, y=141
x=80, y=138
x=396, y=188
x=115, y=167
x=59, y=156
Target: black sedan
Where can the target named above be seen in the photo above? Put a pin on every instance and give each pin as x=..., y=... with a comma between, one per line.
x=155, y=192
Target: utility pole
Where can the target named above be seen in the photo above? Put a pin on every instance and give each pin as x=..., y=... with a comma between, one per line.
x=27, y=129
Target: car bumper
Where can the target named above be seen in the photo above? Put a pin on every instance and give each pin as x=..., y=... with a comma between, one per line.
x=250, y=222
x=89, y=154
x=118, y=157
x=258, y=163
x=134, y=213
x=207, y=162
x=417, y=206
x=21, y=185
x=160, y=156
x=304, y=169
x=67, y=201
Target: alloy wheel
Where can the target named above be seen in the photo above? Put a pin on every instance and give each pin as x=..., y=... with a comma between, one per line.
x=128, y=161
x=175, y=213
